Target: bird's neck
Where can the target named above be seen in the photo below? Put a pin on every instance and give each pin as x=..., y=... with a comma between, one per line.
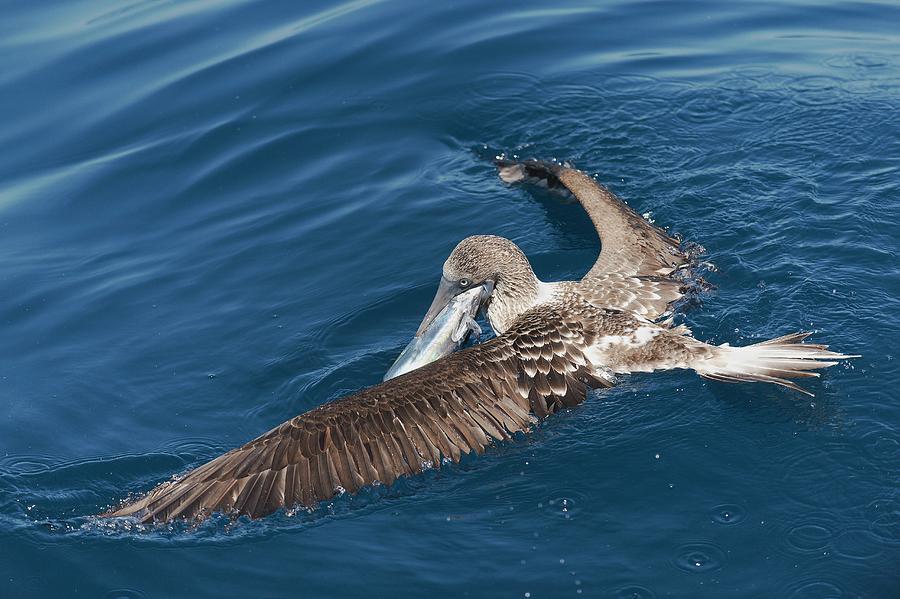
x=516, y=291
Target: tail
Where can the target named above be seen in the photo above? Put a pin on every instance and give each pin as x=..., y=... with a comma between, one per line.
x=774, y=361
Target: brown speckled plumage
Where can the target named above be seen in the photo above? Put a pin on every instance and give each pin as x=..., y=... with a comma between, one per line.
x=556, y=341
x=637, y=259
x=442, y=411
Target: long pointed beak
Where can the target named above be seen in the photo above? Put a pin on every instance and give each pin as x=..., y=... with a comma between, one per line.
x=445, y=292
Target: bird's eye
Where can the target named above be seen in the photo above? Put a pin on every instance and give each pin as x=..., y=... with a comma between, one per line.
x=464, y=282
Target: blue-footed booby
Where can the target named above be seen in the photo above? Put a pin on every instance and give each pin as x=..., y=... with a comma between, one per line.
x=554, y=342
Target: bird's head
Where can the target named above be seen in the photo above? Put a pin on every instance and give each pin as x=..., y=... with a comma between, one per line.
x=484, y=260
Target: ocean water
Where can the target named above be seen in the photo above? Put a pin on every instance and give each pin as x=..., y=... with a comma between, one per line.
x=217, y=215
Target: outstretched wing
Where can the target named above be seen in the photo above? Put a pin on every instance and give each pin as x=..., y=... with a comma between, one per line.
x=444, y=410
x=636, y=258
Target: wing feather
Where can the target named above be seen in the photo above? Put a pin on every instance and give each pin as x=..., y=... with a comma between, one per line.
x=457, y=405
x=634, y=268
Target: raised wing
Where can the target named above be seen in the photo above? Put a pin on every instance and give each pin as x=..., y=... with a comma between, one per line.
x=444, y=410
x=636, y=258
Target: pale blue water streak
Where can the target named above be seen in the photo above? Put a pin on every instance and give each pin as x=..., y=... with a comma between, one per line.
x=214, y=216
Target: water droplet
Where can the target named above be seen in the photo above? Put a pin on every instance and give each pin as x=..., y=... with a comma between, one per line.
x=632, y=591
x=565, y=507
x=727, y=513
x=699, y=557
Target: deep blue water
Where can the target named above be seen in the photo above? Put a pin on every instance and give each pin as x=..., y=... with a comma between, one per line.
x=214, y=216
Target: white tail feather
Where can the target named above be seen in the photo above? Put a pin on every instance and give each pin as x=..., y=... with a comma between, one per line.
x=774, y=361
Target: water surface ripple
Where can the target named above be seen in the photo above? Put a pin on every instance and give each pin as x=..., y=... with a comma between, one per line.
x=214, y=216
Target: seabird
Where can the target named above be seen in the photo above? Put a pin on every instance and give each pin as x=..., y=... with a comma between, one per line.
x=637, y=270
x=555, y=342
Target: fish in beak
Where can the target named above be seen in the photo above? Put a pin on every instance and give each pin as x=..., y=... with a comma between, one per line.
x=446, y=291
x=446, y=326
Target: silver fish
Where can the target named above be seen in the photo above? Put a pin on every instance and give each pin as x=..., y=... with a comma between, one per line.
x=443, y=335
